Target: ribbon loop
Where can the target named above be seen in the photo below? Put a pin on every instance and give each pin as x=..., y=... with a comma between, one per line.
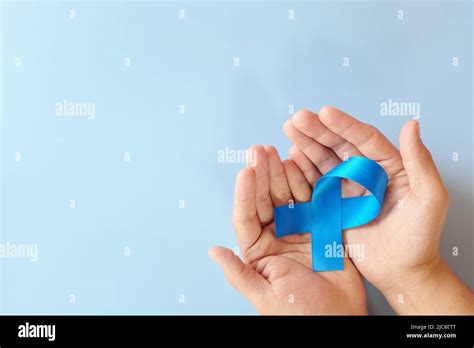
x=328, y=213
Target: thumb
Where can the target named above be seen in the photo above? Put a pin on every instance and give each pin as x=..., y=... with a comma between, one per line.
x=423, y=177
x=239, y=275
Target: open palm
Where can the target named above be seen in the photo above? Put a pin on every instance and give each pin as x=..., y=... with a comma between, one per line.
x=394, y=243
x=277, y=277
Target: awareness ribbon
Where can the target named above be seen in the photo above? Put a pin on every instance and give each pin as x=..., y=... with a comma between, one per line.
x=328, y=213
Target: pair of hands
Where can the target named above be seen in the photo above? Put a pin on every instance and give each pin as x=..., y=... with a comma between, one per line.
x=401, y=247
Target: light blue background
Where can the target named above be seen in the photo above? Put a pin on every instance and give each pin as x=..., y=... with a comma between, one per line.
x=174, y=156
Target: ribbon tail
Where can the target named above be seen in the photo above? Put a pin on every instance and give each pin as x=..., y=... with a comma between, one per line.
x=292, y=219
x=326, y=230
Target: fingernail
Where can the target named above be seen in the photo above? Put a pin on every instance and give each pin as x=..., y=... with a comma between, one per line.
x=417, y=128
x=211, y=254
x=251, y=158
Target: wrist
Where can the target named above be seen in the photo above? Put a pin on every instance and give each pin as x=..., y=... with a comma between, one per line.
x=405, y=287
x=431, y=288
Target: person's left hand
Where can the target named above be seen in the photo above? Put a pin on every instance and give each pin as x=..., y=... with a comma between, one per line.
x=277, y=277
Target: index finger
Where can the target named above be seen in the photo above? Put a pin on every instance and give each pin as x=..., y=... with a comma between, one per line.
x=245, y=219
x=368, y=139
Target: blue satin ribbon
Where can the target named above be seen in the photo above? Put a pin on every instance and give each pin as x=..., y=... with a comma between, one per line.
x=327, y=214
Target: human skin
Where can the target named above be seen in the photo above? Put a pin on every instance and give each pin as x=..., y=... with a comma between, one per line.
x=402, y=257
x=277, y=275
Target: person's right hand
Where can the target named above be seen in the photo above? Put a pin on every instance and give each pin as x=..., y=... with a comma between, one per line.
x=401, y=246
